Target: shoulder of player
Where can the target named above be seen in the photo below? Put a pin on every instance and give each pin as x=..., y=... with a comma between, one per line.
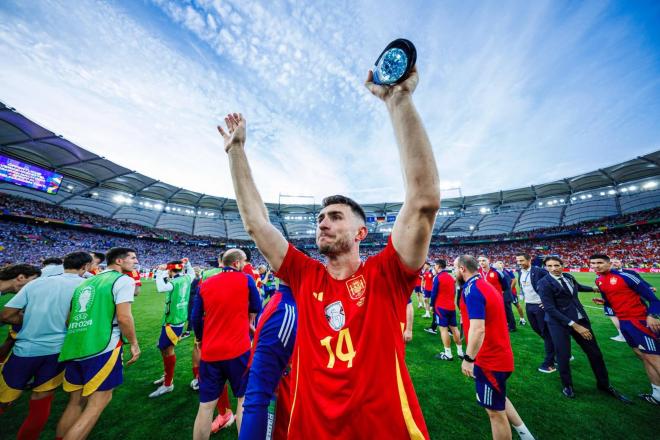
x=628, y=276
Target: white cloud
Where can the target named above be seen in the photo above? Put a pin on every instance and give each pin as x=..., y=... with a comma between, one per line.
x=511, y=93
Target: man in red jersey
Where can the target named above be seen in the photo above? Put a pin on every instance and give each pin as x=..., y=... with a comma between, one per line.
x=444, y=293
x=427, y=287
x=500, y=282
x=638, y=310
x=349, y=311
x=488, y=357
x=221, y=318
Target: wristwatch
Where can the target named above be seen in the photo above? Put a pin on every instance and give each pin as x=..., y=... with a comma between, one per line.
x=467, y=358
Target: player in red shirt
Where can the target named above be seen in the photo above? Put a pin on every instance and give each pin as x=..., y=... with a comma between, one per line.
x=349, y=374
x=488, y=357
x=427, y=287
x=418, y=290
x=444, y=293
x=638, y=310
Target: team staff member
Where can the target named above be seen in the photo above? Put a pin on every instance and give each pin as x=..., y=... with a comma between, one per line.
x=488, y=356
x=511, y=295
x=349, y=311
x=42, y=308
x=444, y=289
x=100, y=312
x=566, y=318
x=639, y=321
x=528, y=278
x=226, y=304
x=176, y=287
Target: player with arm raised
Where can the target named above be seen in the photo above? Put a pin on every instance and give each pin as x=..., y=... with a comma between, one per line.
x=349, y=322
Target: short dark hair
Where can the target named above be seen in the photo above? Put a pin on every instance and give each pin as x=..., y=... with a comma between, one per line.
x=117, y=253
x=77, y=260
x=600, y=257
x=343, y=200
x=176, y=262
x=248, y=254
x=469, y=262
x=51, y=260
x=525, y=255
x=14, y=270
x=442, y=263
x=99, y=255
x=229, y=257
x=552, y=258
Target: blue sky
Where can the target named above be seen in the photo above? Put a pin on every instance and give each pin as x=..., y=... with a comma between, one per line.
x=512, y=93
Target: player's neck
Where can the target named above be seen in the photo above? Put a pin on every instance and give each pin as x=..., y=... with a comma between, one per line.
x=344, y=265
x=114, y=267
x=6, y=285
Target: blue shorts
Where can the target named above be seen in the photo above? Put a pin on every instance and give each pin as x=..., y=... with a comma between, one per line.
x=169, y=336
x=639, y=336
x=418, y=289
x=608, y=311
x=446, y=318
x=46, y=373
x=427, y=293
x=515, y=298
x=214, y=375
x=491, y=388
x=99, y=373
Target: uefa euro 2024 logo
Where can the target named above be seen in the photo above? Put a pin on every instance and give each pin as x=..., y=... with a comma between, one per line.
x=84, y=300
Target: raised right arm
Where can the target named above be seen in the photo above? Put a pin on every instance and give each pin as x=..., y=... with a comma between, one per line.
x=271, y=243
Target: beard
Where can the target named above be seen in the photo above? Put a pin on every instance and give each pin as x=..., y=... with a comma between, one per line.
x=341, y=246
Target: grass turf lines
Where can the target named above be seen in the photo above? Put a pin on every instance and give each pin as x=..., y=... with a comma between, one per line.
x=446, y=396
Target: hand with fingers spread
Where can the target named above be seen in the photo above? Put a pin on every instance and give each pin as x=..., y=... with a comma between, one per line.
x=235, y=134
x=387, y=93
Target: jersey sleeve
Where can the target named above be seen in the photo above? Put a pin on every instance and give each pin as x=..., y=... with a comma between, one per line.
x=253, y=295
x=642, y=289
x=294, y=267
x=395, y=272
x=19, y=301
x=476, y=304
x=124, y=289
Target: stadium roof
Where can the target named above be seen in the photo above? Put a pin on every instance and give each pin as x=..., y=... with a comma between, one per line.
x=91, y=180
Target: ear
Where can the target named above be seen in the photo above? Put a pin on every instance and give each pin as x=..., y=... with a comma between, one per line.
x=362, y=233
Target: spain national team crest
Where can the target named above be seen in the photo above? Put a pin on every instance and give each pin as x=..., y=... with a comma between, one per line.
x=334, y=313
x=356, y=287
x=492, y=274
x=613, y=281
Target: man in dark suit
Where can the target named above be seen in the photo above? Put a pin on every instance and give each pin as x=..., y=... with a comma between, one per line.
x=566, y=318
x=528, y=279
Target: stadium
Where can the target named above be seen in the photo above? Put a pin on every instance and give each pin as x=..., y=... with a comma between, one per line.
x=58, y=198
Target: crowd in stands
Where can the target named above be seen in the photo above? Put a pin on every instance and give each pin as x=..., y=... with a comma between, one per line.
x=30, y=242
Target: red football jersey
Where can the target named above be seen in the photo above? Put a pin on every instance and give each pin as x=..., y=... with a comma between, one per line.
x=428, y=280
x=446, y=291
x=418, y=281
x=479, y=300
x=135, y=275
x=349, y=377
x=226, y=324
x=493, y=277
x=626, y=303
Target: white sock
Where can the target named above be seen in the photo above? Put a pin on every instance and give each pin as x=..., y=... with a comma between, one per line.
x=523, y=432
x=448, y=351
x=656, y=391
x=459, y=350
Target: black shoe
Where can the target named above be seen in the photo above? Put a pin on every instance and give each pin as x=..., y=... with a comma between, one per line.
x=614, y=393
x=650, y=399
x=444, y=357
x=568, y=392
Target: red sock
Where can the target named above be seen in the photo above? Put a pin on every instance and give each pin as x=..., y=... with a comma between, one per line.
x=169, y=362
x=36, y=419
x=223, y=401
x=196, y=372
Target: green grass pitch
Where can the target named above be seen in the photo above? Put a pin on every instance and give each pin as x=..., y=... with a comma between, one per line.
x=446, y=396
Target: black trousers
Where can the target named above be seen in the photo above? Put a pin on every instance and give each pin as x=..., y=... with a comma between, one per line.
x=536, y=318
x=561, y=338
x=510, y=319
